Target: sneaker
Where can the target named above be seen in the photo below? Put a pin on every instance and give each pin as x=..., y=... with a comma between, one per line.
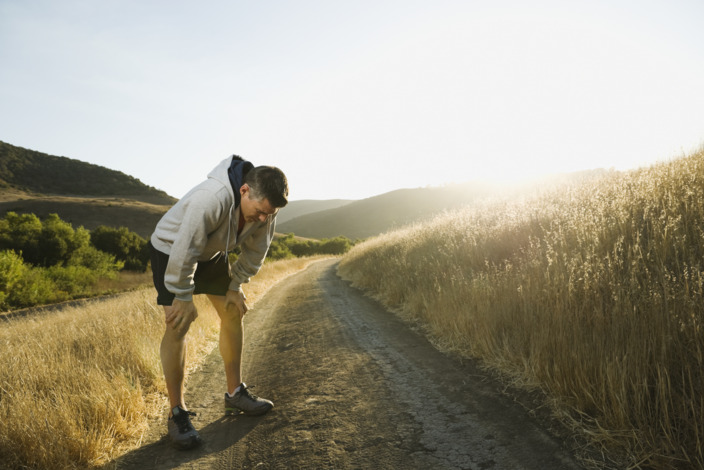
x=181, y=431
x=245, y=402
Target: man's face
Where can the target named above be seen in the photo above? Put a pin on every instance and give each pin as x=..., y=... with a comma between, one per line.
x=253, y=210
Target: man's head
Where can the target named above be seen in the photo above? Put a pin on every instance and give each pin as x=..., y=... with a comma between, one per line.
x=264, y=191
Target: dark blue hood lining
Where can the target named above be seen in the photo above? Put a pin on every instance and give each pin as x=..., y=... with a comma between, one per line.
x=237, y=171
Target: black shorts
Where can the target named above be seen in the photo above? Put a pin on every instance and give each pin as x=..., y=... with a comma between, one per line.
x=212, y=277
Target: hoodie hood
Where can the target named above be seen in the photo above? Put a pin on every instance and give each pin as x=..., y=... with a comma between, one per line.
x=230, y=173
x=236, y=173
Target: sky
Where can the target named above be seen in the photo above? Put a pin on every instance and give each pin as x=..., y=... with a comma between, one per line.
x=353, y=98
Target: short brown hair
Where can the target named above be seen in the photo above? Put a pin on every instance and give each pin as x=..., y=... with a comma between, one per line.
x=268, y=182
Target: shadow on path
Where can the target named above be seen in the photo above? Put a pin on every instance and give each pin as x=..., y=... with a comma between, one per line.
x=217, y=437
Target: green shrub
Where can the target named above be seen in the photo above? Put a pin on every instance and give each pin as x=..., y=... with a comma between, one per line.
x=101, y=263
x=71, y=281
x=20, y=233
x=279, y=250
x=335, y=246
x=42, y=243
x=289, y=244
x=125, y=245
x=12, y=270
x=34, y=288
x=49, y=261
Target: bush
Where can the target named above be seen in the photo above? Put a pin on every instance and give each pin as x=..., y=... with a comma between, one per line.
x=279, y=250
x=33, y=288
x=71, y=281
x=49, y=261
x=125, y=245
x=20, y=233
x=101, y=263
x=46, y=243
x=288, y=246
x=58, y=241
x=335, y=246
x=12, y=270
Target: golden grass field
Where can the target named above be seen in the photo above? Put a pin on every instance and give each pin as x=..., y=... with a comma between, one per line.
x=591, y=292
x=78, y=387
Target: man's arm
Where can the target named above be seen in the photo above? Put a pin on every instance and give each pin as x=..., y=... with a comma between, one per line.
x=235, y=303
x=253, y=253
x=180, y=314
x=201, y=213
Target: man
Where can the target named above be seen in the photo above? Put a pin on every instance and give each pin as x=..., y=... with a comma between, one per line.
x=235, y=206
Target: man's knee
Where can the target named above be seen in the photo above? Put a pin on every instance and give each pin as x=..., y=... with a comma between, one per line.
x=228, y=316
x=179, y=333
x=231, y=319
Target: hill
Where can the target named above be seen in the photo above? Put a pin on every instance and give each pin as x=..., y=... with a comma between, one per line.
x=80, y=193
x=378, y=214
x=307, y=206
x=32, y=171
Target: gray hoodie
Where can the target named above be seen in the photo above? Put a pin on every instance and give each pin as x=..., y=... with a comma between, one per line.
x=202, y=225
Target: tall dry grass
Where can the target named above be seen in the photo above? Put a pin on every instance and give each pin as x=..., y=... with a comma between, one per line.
x=77, y=388
x=593, y=292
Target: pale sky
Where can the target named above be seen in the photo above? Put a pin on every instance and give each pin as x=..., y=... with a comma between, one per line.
x=353, y=98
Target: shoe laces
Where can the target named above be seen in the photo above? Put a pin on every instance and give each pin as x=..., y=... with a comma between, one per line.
x=183, y=421
x=245, y=392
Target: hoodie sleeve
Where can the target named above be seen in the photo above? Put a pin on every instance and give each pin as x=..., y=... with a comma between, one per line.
x=251, y=258
x=201, y=214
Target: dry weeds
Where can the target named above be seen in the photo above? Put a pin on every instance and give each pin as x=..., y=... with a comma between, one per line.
x=592, y=293
x=77, y=387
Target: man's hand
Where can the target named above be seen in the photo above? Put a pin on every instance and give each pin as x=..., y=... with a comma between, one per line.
x=235, y=299
x=180, y=314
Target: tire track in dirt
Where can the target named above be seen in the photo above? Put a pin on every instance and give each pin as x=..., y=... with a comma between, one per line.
x=353, y=387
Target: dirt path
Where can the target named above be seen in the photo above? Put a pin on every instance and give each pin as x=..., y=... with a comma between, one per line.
x=353, y=387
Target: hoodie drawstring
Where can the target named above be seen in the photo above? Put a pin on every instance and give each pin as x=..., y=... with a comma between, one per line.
x=227, y=241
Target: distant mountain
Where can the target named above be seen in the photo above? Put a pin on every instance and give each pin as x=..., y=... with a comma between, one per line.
x=378, y=214
x=80, y=193
x=32, y=171
x=307, y=206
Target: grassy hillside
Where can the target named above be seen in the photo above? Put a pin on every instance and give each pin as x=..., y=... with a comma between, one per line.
x=79, y=192
x=37, y=172
x=593, y=293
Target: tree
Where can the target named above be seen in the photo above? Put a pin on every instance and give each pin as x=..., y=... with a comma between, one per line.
x=20, y=233
x=335, y=246
x=125, y=245
x=58, y=241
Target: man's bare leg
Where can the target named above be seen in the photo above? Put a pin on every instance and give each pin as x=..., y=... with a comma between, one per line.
x=173, y=352
x=179, y=317
x=231, y=338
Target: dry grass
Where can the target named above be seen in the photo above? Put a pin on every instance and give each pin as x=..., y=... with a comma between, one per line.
x=125, y=281
x=77, y=388
x=593, y=293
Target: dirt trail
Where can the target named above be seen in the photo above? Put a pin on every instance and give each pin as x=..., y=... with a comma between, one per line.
x=353, y=387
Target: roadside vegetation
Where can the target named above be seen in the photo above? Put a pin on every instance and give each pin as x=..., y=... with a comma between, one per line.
x=79, y=386
x=48, y=261
x=592, y=293
x=289, y=246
